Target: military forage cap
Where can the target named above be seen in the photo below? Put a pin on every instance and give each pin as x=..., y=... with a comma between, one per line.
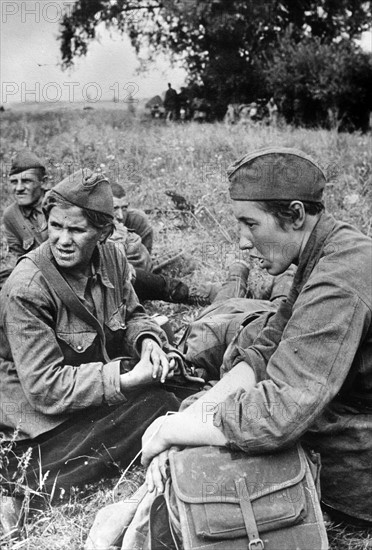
x=276, y=173
x=86, y=189
x=25, y=160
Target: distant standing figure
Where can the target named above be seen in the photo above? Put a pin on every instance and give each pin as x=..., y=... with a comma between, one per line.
x=273, y=112
x=184, y=104
x=231, y=115
x=253, y=112
x=171, y=103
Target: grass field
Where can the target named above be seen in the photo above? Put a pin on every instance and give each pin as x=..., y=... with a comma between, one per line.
x=149, y=157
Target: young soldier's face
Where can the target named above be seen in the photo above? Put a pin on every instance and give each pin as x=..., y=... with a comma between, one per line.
x=27, y=187
x=72, y=238
x=276, y=248
x=120, y=206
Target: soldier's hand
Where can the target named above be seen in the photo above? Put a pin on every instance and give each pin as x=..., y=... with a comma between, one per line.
x=153, y=366
x=158, y=471
x=162, y=368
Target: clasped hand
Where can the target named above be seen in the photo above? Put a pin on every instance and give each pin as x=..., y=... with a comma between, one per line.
x=153, y=365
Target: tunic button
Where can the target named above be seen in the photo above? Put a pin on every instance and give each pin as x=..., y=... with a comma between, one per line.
x=79, y=348
x=122, y=325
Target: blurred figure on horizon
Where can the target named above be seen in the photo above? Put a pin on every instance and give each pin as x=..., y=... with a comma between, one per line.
x=171, y=103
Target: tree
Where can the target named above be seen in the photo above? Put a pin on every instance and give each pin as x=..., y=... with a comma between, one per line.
x=222, y=43
x=321, y=84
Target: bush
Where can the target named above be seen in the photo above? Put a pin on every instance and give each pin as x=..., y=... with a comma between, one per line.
x=319, y=84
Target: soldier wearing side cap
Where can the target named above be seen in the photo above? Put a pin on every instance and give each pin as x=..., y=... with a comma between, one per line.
x=307, y=371
x=25, y=228
x=80, y=399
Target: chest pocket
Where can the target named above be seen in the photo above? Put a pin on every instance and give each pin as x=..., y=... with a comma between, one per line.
x=77, y=341
x=117, y=320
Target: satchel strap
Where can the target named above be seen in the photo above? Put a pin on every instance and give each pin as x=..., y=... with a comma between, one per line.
x=68, y=296
x=254, y=541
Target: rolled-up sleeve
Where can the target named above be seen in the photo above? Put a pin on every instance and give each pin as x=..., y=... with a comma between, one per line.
x=303, y=374
x=111, y=383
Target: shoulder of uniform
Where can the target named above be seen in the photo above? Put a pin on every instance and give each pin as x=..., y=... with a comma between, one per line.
x=112, y=251
x=21, y=280
x=10, y=210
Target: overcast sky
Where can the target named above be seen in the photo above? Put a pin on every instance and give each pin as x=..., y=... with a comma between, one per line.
x=30, y=60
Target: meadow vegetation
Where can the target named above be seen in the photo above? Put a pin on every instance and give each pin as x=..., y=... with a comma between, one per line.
x=148, y=158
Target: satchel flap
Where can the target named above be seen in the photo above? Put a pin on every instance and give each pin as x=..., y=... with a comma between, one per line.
x=208, y=474
x=204, y=478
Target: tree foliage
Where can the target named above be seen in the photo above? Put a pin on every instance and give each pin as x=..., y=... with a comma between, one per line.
x=223, y=44
x=321, y=84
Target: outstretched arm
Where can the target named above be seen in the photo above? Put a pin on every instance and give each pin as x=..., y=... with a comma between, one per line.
x=194, y=425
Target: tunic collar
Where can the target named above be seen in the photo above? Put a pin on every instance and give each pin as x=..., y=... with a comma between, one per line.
x=312, y=251
x=98, y=270
x=27, y=211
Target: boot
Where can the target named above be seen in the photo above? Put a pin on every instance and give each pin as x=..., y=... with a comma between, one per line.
x=204, y=294
x=175, y=291
x=236, y=284
x=149, y=286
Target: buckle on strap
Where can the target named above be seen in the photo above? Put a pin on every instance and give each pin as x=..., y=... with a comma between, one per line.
x=256, y=544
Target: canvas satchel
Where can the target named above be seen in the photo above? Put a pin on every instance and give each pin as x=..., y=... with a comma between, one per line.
x=228, y=500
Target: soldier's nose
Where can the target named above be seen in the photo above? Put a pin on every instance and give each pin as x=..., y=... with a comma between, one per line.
x=64, y=238
x=245, y=243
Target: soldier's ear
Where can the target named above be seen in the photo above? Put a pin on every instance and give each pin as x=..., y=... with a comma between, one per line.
x=44, y=182
x=299, y=214
x=105, y=233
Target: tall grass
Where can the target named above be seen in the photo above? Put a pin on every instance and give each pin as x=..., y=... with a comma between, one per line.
x=149, y=157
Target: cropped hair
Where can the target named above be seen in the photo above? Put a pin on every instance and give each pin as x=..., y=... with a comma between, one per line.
x=41, y=172
x=99, y=220
x=117, y=190
x=284, y=214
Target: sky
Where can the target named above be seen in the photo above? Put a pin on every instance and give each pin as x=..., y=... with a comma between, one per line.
x=30, y=60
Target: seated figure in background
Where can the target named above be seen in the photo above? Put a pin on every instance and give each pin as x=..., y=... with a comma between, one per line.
x=135, y=220
x=25, y=226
